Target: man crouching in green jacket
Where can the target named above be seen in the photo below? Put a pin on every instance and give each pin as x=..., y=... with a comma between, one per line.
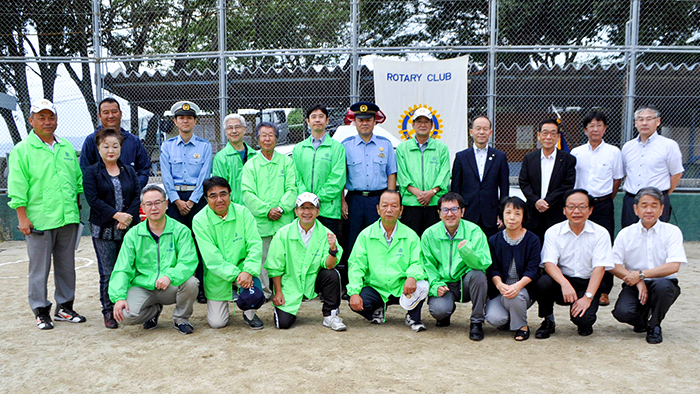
x=154, y=268
x=228, y=238
x=385, y=263
x=455, y=255
x=301, y=263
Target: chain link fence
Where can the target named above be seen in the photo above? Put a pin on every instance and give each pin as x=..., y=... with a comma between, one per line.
x=269, y=60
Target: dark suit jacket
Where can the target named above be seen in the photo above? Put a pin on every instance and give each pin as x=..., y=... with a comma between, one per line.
x=563, y=179
x=482, y=197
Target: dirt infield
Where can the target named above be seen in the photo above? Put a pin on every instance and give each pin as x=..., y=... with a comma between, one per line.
x=310, y=358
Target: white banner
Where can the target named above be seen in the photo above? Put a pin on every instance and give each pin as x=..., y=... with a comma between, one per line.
x=401, y=87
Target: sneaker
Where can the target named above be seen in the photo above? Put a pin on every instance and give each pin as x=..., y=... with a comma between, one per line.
x=415, y=325
x=43, y=321
x=255, y=323
x=184, y=328
x=334, y=321
x=153, y=322
x=378, y=316
x=65, y=313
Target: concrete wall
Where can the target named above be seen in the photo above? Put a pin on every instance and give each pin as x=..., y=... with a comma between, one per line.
x=686, y=215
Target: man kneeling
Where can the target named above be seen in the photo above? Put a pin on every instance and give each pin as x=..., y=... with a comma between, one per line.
x=154, y=268
x=647, y=256
x=301, y=263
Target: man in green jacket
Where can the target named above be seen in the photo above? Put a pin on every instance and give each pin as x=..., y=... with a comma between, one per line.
x=385, y=263
x=231, y=247
x=229, y=162
x=424, y=173
x=44, y=184
x=320, y=167
x=301, y=263
x=155, y=267
x=455, y=255
x=269, y=191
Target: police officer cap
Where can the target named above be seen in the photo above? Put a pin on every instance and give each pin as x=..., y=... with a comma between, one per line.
x=364, y=110
x=184, y=108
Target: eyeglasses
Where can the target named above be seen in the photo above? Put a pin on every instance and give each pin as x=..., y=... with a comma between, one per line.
x=214, y=196
x=575, y=207
x=454, y=210
x=237, y=127
x=151, y=204
x=647, y=119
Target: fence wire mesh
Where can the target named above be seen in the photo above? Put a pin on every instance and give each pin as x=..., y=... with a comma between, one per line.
x=269, y=60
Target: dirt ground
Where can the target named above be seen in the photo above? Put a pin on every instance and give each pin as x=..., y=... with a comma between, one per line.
x=310, y=358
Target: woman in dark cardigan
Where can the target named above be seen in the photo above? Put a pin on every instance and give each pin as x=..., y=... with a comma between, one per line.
x=113, y=192
x=515, y=255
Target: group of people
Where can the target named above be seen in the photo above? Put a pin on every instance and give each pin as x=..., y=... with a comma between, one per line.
x=251, y=226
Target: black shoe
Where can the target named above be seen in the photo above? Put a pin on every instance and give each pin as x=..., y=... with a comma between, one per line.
x=654, y=335
x=43, y=318
x=547, y=328
x=153, y=322
x=345, y=296
x=476, y=331
x=503, y=327
x=255, y=323
x=184, y=328
x=585, y=331
x=640, y=329
x=443, y=322
x=110, y=322
x=201, y=298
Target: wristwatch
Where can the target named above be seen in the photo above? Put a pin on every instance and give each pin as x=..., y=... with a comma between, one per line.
x=280, y=209
x=332, y=252
x=641, y=275
x=589, y=295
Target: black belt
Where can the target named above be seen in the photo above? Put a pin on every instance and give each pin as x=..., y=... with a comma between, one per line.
x=368, y=193
x=601, y=199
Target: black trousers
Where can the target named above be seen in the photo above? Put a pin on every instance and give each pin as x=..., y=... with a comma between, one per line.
x=488, y=230
x=174, y=213
x=662, y=294
x=604, y=214
x=549, y=292
x=328, y=286
x=420, y=218
x=331, y=224
x=372, y=300
x=629, y=217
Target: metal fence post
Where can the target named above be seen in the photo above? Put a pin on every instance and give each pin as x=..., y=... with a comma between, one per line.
x=491, y=87
x=223, y=94
x=97, y=48
x=355, y=60
x=631, y=41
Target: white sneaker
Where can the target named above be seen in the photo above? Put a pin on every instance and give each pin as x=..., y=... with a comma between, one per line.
x=378, y=316
x=415, y=326
x=334, y=321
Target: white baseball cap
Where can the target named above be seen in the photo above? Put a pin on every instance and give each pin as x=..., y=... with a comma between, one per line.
x=307, y=197
x=42, y=104
x=411, y=301
x=422, y=111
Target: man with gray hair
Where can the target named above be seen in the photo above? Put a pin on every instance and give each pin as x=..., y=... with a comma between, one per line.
x=647, y=257
x=155, y=267
x=269, y=190
x=649, y=160
x=229, y=162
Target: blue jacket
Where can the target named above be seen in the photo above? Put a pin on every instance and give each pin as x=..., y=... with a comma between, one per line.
x=99, y=193
x=527, y=260
x=133, y=154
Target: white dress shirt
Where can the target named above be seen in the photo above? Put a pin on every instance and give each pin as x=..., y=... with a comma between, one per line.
x=480, y=156
x=637, y=248
x=577, y=255
x=306, y=236
x=597, y=168
x=547, y=167
x=651, y=163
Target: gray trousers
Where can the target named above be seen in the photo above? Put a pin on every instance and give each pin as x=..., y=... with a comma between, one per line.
x=264, y=277
x=500, y=310
x=59, y=243
x=474, y=289
x=142, y=302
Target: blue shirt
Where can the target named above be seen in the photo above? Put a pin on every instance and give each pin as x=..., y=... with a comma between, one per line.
x=369, y=163
x=133, y=154
x=185, y=164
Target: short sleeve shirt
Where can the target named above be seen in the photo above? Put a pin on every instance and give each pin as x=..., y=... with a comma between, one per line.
x=369, y=163
x=637, y=248
x=597, y=168
x=651, y=163
x=577, y=255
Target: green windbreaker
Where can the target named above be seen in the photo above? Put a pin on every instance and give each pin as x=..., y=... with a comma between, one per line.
x=424, y=170
x=229, y=165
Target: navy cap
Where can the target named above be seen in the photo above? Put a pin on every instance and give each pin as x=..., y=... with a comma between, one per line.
x=364, y=110
x=184, y=108
x=252, y=298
